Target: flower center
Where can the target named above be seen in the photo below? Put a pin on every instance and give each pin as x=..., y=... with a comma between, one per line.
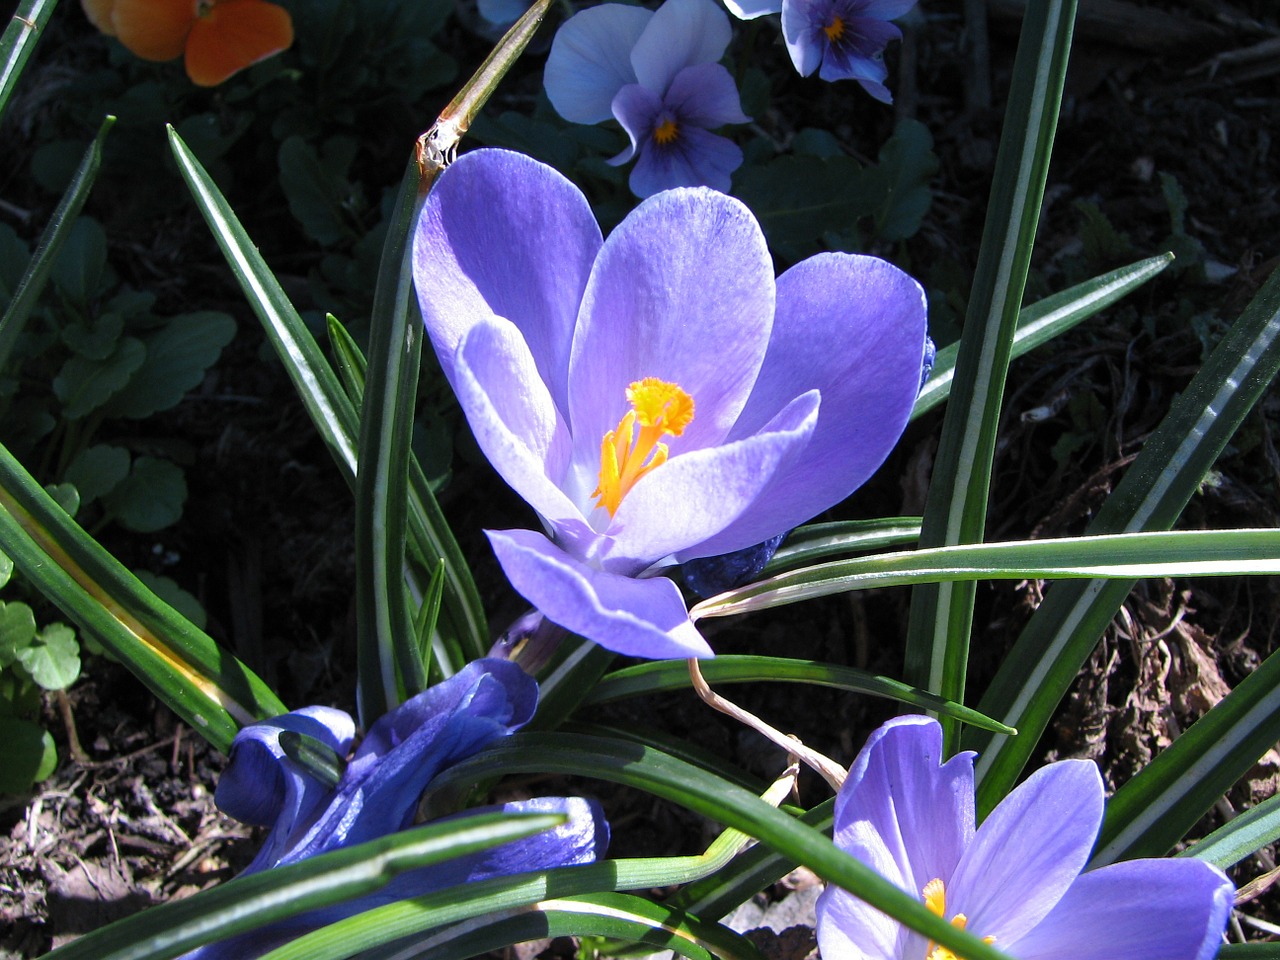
x=204, y=7
x=935, y=898
x=627, y=454
x=835, y=29
x=666, y=133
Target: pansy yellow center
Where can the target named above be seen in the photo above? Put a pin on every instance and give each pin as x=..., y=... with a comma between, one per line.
x=657, y=409
x=835, y=29
x=935, y=898
x=666, y=132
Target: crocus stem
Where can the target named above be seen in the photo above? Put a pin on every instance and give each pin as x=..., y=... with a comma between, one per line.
x=825, y=767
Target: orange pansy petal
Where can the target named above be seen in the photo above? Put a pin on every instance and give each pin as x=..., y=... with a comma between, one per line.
x=236, y=34
x=99, y=14
x=154, y=29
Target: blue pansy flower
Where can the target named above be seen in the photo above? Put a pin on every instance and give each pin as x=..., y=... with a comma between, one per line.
x=840, y=39
x=656, y=73
x=378, y=793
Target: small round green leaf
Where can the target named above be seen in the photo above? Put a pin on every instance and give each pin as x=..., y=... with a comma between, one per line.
x=17, y=628
x=53, y=660
x=83, y=385
x=98, y=470
x=177, y=357
x=151, y=497
x=29, y=754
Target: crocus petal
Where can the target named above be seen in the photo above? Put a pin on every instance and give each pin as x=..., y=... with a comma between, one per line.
x=906, y=815
x=590, y=60
x=706, y=96
x=681, y=33
x=852, y=327
x=1173, y=909
x=697, y=494
x=263, y=787
x=1016, y=869
x=583, y=838
x=154, y=29
x=640, y=618
x=513, y=417
x=682, y=290
x=750, y=9
x=405, y=749
x=481, y=249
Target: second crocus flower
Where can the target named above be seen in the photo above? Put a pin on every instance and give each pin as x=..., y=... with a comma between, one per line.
x=657, y=74
x=1016, y=880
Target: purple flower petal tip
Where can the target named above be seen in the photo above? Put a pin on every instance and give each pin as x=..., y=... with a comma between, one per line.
x=379, y=789
x=1016, y=879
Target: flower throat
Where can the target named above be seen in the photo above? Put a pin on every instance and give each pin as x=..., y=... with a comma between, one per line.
x=659, y=408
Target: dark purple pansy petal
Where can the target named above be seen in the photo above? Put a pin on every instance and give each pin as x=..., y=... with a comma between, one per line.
x=480, y=250
x=1173, y=909
x=638, y=618
x=639, y=111
x=696, y=159
x=705, y=96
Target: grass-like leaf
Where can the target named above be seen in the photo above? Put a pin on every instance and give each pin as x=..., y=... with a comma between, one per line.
x=1245, y=834
x=820, y=541
x=1046, y=319
x=1154, y=810
x=955, y=512
x=19, y=40
x=1206, y=553
x=55, y=233
x=1062, y=633
x=387, y=648
x=204, y=684
x=663, y=675
x=247, y=903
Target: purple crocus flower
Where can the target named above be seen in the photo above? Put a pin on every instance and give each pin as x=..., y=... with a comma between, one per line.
x=656, y=74
x=841, y=39
x=1015, y=881
x=379, y=789
x=656, y=396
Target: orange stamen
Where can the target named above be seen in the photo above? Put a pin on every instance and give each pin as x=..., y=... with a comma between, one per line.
x=835, y=29
x=659, y=409
x=666, y=132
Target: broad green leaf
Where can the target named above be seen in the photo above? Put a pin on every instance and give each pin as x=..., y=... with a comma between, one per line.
x=151, y=497
x=29, y=754
x=168, y=590
x=55, y=234
x=956, y=508
x=98, y=470
x=317, y=187
x=65, y=495
x=79, y=270
x=248, y=902
x=177, y=358
x=84, y=385
x=97, y=339
x=17, y=630
x=1207, y=553
x=1062, y=633
x=53, y=658
x=666, y=675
